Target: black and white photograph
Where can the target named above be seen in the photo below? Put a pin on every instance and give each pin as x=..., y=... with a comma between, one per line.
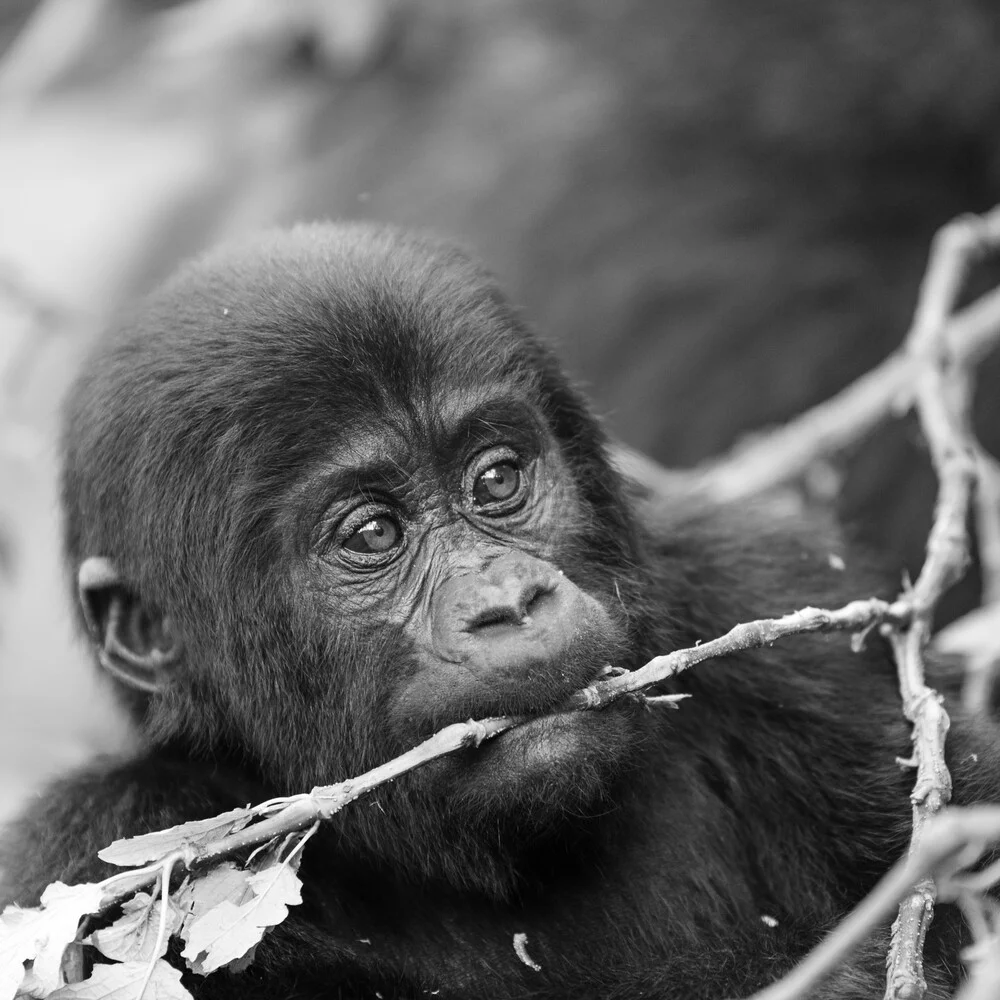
x=499, y=499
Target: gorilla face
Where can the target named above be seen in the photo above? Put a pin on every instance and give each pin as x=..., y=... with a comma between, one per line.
x=374, y=507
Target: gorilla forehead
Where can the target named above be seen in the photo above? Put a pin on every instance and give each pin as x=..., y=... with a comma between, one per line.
x=318, y=323
x=281, y=344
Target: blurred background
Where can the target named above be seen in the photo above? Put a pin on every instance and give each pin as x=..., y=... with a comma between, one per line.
x=718, y=211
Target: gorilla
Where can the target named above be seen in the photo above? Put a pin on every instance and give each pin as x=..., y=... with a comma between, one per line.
x=326, y=493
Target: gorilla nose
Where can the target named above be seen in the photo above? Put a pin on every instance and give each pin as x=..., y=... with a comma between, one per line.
x=511, y=602
x=506, y=597
x=511, y=590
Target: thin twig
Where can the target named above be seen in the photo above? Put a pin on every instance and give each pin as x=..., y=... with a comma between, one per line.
x=297, y=812
x=773, y=458
x=942, y=400
x=301, y=811
x=854, y=617
x=958, y=834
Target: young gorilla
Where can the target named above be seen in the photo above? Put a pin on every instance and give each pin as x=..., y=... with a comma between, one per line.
x=326, y=494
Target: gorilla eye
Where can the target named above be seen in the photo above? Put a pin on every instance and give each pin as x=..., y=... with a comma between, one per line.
x=498, y=483
x=379, y=535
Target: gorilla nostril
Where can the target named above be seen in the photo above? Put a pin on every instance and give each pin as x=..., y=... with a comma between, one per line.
x=512, y=602
x=533, y=597
x=496, y=615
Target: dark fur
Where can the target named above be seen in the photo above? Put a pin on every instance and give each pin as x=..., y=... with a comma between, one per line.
x=642, y=866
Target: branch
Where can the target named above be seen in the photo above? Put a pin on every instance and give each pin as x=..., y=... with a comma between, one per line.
x=858, y=616
x=955, y=839
x=776, y=457
x=933, y=373
x=943, y=400
x=278, y=817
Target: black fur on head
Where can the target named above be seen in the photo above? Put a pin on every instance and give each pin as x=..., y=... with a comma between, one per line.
x=190, y=429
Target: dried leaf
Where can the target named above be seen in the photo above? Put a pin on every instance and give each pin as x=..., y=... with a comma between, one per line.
x=150, y=847
x=132, y=937
x=226, y=932
x=40, y=936
x=122, y=982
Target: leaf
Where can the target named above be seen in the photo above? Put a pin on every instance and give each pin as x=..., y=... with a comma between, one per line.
x=227, y=931
x=19, y=933
x=41, y=935
x=31, y=985
x=150, y=847
x=199, y=895
x=122, y=982
x=132, y=937
x=244, y=963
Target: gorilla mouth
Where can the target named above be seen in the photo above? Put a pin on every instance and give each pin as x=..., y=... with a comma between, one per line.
x=528, y=700
x=531, y=704
x=557, y=746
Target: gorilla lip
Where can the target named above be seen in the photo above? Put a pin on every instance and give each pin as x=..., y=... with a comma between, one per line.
x=520, y=707
x=558, y=705
x=549, y=710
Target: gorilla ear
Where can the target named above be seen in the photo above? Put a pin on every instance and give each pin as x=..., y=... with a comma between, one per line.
x=136, y=644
